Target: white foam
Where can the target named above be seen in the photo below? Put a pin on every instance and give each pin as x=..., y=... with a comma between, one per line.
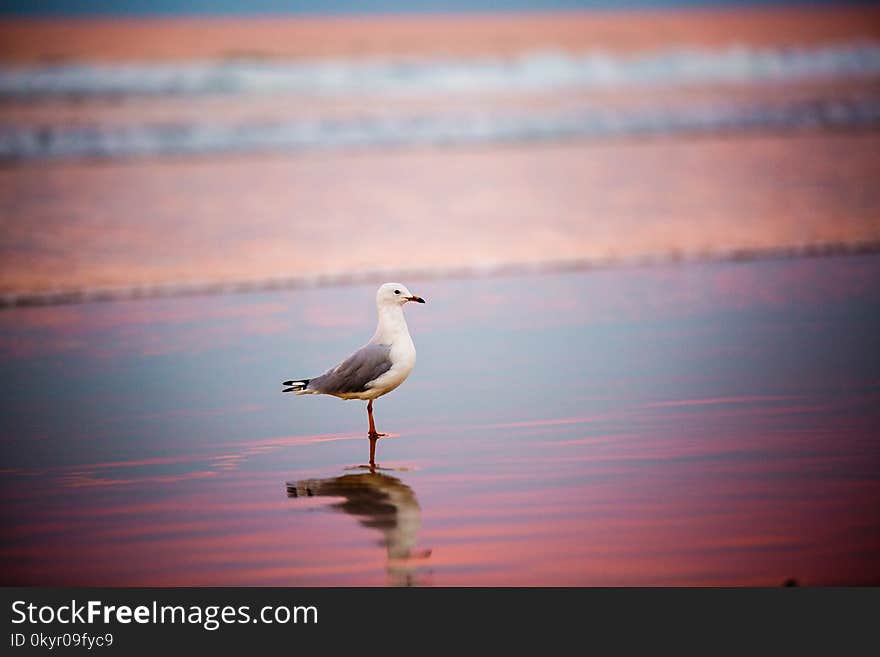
x=441, y=129
x=533, y=71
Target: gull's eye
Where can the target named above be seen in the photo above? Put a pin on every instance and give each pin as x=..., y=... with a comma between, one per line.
x=396, y=291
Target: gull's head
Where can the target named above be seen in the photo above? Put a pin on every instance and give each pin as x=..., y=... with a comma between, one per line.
x=395, y=294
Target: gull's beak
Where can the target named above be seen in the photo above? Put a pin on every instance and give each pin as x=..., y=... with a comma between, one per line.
x=416, y=299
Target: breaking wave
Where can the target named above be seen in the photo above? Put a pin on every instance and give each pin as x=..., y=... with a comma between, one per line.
x=471, y=128
x=536, y=71
x=533, y=73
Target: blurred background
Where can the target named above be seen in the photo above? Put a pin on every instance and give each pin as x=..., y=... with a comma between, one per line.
x=647, y=234
x=158, y=147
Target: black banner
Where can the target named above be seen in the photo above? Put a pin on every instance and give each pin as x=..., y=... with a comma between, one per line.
x=231, y=620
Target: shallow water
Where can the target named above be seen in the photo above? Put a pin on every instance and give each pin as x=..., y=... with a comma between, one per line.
x=703, y=424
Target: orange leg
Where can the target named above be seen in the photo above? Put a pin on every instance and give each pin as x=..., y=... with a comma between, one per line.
x=374, y=435
x=373, y=432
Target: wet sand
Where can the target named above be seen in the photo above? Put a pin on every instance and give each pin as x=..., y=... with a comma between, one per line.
x=702, y=424
x=254, y=218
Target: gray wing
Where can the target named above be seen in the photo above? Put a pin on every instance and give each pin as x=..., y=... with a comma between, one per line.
x=353, y=374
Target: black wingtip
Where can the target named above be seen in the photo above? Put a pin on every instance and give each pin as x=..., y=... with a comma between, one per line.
x=295, y=385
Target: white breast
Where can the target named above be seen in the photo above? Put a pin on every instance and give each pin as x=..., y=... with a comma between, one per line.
x=403, y=360
x=392, y=330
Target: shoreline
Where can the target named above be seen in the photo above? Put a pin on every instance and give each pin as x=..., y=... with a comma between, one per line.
x=136, y=292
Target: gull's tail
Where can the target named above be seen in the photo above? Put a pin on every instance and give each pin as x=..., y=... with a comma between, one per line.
x=295, y=385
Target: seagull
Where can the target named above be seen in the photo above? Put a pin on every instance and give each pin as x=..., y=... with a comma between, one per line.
x=375, y=369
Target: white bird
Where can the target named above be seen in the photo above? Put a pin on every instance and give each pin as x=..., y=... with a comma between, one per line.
x=378, y=367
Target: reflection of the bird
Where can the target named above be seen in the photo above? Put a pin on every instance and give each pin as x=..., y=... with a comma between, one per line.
x=381, y=502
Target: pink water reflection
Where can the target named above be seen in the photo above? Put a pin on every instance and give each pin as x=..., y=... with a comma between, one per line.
x=614, y=509
x=738, y=448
